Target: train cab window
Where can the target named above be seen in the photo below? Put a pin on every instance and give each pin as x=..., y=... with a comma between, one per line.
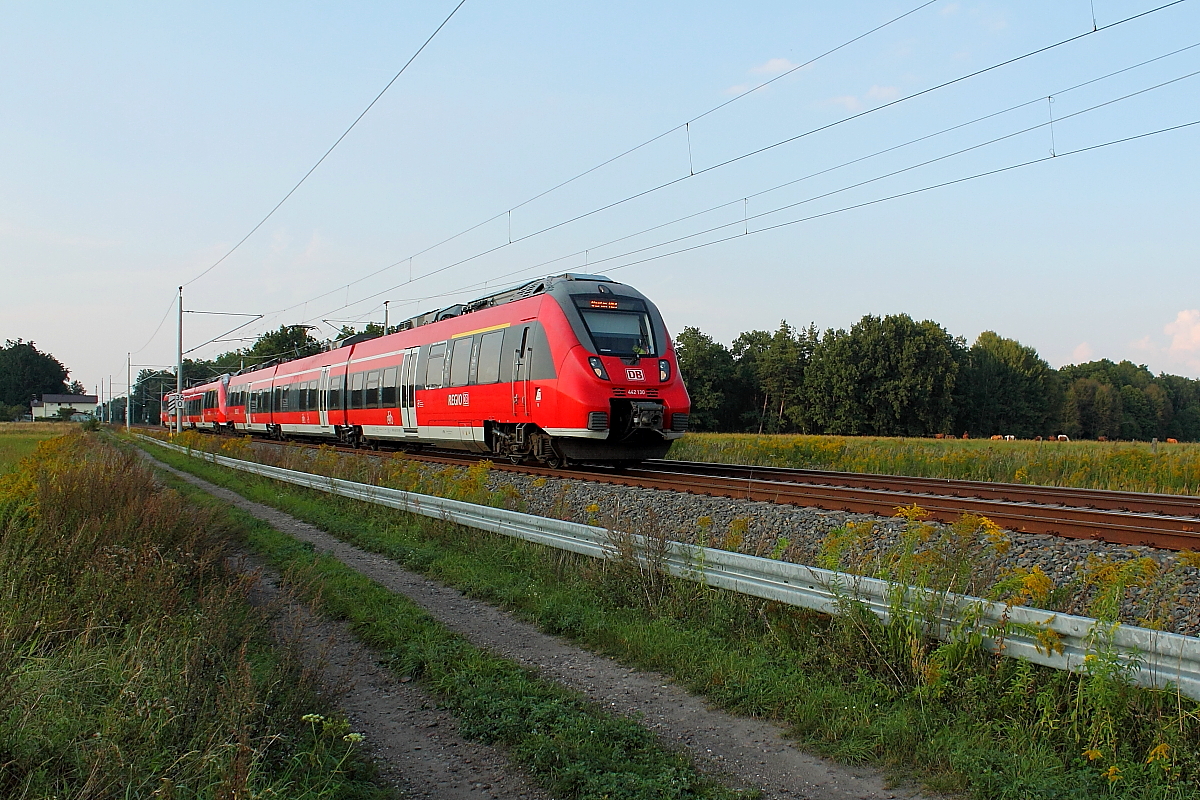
x=434, y=365
x=490, y=345
x=372, y=389
x=356, y=389
x=460, y=361
x=389, y=387
x=619, y=326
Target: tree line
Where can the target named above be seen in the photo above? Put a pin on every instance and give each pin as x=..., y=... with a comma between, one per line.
x=894, y=376
x=25, y=373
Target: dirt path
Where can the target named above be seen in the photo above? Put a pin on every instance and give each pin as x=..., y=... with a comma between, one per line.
x=415, y=744
x=748, y=753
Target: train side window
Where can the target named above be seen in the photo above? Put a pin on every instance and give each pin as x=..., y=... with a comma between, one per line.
x=372, y=389
x=434, y=365
x=335, y=391
x=389, y=387
x=356, y=389
x=490, y=345
x=460, y=361
x=311, y=403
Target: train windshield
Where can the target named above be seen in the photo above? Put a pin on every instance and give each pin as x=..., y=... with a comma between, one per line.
x=618, y=326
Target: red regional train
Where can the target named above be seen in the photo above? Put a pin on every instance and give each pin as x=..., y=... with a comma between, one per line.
x=566, y=368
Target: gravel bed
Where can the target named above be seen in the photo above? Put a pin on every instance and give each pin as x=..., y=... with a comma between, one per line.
x=766, y=524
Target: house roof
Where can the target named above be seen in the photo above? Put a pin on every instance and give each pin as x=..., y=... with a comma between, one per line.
x=68, y=399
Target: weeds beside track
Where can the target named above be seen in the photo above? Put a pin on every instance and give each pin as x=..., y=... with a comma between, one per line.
x=954, y=717
x=131, y=663
x=1122, y=466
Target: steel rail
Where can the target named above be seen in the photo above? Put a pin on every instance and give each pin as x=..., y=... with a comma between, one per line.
x=1140, y=502
x=944, y=499
x=1121, y=527
x=1153, y=658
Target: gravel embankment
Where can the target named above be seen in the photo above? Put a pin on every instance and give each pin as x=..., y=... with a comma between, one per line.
x=678, y=515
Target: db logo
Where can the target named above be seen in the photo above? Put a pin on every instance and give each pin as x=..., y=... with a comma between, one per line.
x=635, y=375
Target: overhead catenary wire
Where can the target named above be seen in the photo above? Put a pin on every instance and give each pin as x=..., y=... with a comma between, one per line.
x=912, y=192
x=908, y=168
x=920, y=190
x=746, y=218
x=311, y=170
x=744, y=221
x=681, y=126
x=713, y=167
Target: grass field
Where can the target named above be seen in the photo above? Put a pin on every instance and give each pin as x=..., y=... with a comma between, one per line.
x=1128, y=466
x=19, y=439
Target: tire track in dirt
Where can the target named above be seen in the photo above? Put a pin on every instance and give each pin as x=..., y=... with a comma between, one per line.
x=415, y=744
x=747, y=753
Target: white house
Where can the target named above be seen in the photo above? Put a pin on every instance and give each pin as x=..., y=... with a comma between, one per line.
x=48, y=406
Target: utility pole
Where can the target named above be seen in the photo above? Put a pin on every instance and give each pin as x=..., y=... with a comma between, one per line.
x=179, y=371
x=128, y=390
x=385, y=316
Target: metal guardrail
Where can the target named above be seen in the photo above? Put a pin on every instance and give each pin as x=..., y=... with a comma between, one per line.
x=1062, y=641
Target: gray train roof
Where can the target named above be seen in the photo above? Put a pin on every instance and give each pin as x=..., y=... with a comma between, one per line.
x=530, y=289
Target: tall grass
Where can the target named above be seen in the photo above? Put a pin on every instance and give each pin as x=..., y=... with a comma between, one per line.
x=131, y=663
x=1127, y=466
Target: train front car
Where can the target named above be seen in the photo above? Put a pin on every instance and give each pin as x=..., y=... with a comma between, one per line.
x=565, y=368
x=619, y=396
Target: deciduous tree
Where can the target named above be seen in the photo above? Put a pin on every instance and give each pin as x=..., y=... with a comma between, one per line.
x=26, y=371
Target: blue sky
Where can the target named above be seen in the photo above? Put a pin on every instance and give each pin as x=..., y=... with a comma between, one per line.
x=139, y=142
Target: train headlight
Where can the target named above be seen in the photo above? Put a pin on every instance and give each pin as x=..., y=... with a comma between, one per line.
x=664, y=370
x=597, y=367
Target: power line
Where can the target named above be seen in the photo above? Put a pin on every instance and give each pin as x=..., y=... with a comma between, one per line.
x=746, y=219
x=916, y=191
x=902, y=170
x=631, y=150
x=720, y=165
x=170, y=306
x=330, y=150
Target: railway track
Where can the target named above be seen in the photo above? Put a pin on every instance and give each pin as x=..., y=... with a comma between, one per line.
x=1163, y=521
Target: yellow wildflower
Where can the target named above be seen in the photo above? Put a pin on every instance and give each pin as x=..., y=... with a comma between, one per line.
x=1092, y=754
x=1113, y=774
x=1161, y=752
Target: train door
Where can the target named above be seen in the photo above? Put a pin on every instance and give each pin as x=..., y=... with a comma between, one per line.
x=260, y=406
x=323, y=400
x=520, y=377
x=408, y=390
